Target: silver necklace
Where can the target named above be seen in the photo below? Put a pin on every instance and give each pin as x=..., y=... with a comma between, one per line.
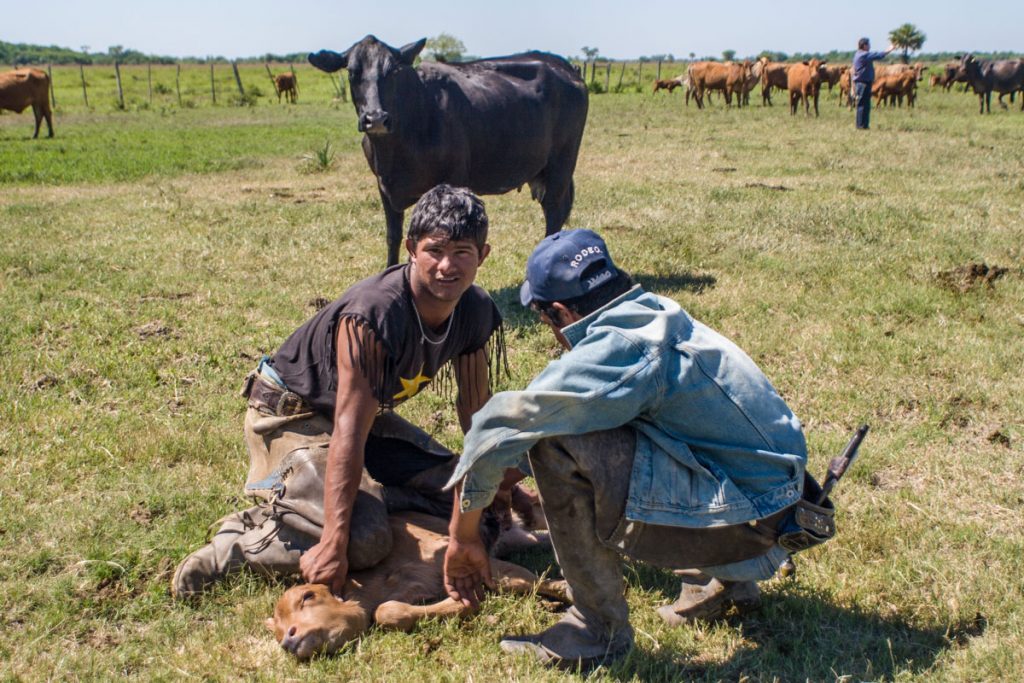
x=423, y=332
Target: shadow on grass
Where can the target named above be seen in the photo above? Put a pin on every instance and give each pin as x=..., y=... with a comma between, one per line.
x=798, y=634
x=518, y=317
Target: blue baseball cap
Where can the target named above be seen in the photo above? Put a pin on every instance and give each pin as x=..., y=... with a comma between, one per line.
x=555, y=270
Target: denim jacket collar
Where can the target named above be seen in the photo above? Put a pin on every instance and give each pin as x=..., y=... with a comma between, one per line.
x=575, y=332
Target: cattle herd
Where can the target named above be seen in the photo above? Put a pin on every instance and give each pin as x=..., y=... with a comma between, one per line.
x=494, y=125
x=894, y=83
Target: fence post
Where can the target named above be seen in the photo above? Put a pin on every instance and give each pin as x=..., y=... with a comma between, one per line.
x=607, y=75
x=273, y=82
x=177, y=83
x=81, y=72
x=120, y=91
x=658, y=77
x=640, y=72
x=53, y=97
x=238, y=79
x=213, y=89
x=149, y=77
x=622, y=72
x=593, y=70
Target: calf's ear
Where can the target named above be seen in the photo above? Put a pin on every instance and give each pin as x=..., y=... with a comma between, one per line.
x=328, y=60
x=408, y=53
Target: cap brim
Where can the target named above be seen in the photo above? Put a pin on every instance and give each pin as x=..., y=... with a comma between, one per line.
x=525, y=295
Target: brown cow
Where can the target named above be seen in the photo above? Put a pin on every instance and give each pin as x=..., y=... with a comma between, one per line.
x=832, y=73
x=892, y=88
x=846, y=89
x=669, y=84
x=804, y=82
x=896, y=84
x=23, y=87
x=288, y=85
x=753, y=78
x=727, y=77
x=773, y=75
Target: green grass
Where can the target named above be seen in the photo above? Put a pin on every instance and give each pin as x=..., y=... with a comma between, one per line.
x=149, y=258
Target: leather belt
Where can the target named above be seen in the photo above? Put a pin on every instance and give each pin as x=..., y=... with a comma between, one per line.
x=272, y=399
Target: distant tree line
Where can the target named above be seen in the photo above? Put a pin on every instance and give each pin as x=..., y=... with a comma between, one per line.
x=445, y=48
x=23, y=53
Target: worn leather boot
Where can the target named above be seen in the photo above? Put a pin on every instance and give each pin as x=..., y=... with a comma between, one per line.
x=710, y=600
x=572, y=643
x=250, y=538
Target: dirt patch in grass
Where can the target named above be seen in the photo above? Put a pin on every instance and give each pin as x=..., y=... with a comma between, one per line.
x=968, y=276
x=765, y=186
x=152, y=329
x=318, y=302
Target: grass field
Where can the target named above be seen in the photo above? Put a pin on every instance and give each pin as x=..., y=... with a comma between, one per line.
x=151, y=256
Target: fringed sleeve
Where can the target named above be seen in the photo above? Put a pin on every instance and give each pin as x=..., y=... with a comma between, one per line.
x=368, y=355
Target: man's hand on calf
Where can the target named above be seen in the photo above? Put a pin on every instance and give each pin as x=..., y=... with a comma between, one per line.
x=324, y=564
x=467, y=568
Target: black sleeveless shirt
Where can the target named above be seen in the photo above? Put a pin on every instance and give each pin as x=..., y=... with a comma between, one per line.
x=382, y=304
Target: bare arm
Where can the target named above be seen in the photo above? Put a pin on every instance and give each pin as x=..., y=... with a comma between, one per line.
x=467, y=567
x=356, y=407
x=466, y=563
x=473, y=380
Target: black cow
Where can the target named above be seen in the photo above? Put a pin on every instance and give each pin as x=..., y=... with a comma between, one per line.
x=984, y=76
x=490, y=125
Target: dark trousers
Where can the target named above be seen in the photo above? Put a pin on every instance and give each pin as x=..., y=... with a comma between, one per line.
x=583, y=482
x=862, y=97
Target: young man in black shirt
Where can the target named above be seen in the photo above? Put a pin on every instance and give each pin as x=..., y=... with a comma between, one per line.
x=328, y=455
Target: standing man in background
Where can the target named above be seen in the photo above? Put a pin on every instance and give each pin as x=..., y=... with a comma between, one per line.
x=863, y=76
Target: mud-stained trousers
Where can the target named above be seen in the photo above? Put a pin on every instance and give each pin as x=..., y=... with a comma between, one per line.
x=583, y=482
x=405, y=469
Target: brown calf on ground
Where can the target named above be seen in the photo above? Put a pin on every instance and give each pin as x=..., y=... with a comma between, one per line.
x=22, y=88
x=309, y=620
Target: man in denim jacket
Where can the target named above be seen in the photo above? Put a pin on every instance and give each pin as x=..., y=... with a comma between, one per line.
x=652, y=436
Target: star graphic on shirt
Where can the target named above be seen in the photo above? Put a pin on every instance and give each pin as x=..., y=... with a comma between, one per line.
x=411, y=387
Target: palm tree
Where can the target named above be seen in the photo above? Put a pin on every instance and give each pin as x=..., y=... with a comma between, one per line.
x=908, y=38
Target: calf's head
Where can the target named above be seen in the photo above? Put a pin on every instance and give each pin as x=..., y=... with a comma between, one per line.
x=376, y=73
x=308, y=620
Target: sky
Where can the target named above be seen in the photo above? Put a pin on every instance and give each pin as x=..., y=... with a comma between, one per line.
x=621, y=30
